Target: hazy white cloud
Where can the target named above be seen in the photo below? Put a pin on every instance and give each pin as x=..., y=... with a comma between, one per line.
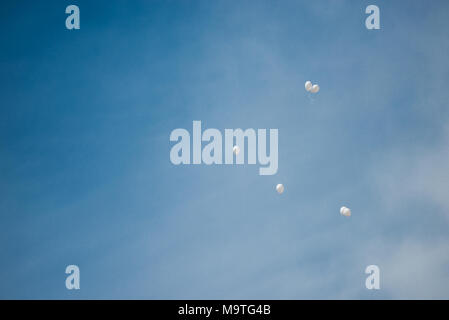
x=418, y=271
x=414, y=198
x=421, y=173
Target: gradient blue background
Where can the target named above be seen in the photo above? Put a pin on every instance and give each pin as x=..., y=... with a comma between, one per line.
x=85, y=175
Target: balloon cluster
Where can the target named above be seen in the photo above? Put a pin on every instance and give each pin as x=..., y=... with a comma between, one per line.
x=313, y=88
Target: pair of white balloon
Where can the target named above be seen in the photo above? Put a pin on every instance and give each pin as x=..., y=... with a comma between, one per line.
x=314, y=88
x=344, y=211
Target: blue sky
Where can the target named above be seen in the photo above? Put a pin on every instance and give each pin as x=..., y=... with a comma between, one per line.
x=86, y=178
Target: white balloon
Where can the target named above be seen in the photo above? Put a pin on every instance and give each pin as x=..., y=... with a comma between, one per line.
x=236, y=150
x=280, y=188
x=308, y=85
x=345, y=211
x=315, y=88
